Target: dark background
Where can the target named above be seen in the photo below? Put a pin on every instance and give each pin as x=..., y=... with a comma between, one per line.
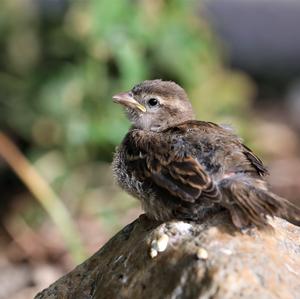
x=61, y=61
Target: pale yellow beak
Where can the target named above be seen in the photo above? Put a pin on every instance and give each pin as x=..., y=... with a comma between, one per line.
x=127, y=100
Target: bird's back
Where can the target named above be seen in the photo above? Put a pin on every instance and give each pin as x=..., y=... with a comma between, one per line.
x=217, y=148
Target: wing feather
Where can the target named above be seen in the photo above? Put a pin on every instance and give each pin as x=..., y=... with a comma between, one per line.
x=180, y=174
x=255, y=161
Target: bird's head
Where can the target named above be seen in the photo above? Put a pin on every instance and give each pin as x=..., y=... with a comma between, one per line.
x=156, y=105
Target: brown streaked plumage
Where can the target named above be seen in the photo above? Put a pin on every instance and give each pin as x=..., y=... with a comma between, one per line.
x=181, y=168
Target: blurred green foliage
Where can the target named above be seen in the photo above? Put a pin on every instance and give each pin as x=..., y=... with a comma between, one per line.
x=61, y=61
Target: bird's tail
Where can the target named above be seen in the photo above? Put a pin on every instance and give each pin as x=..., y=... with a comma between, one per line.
x=250, y=202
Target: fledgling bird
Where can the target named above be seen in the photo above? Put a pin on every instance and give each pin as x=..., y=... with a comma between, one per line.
x=182, y=168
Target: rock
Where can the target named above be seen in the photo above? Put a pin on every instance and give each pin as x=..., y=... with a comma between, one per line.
x=208, y=260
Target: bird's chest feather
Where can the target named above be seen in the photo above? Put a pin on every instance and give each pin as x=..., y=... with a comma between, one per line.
x=152, y=202
x=124, y=174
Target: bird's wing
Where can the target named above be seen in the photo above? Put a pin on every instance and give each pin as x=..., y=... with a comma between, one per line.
x=255, y=161
x=169, y=166
x=184, y=177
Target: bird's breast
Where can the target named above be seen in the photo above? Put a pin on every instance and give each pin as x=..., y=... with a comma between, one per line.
x=124, y=176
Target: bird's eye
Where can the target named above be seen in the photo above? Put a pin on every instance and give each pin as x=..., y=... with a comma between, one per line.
x=153, y=102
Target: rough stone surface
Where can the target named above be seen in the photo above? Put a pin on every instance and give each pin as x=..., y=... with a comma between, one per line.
x=208, y=260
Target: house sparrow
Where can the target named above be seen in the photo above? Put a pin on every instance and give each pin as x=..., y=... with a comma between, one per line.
x=186, y=169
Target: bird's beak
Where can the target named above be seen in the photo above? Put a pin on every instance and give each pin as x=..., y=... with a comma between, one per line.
x=126, y=99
